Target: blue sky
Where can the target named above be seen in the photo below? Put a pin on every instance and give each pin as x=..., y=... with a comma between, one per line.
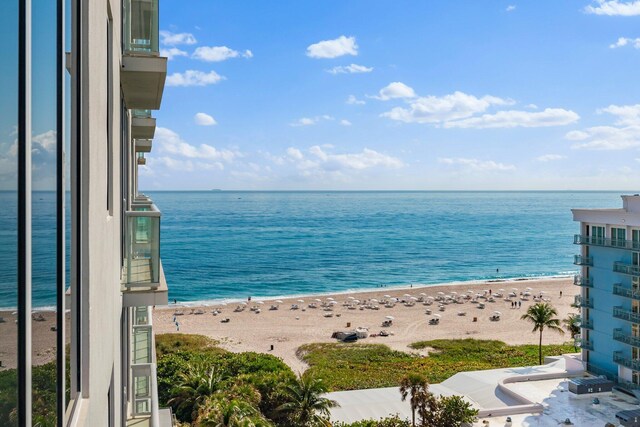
x=398, y=95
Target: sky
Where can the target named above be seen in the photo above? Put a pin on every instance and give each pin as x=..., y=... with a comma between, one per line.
x=386, y=95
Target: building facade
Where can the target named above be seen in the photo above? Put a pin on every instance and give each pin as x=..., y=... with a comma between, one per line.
x=116, y=79
x=609, y=284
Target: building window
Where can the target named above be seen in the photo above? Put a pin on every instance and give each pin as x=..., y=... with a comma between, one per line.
x=597, y=234
x=618, y=236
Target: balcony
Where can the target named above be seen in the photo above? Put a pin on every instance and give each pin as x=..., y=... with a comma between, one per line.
x=629, y=316
x=620, y=359
x=143, y=126
x=620, y=290
x=143, y=145
x=587, y=282
x=587, y=324
x=143, y=71
x=140, y=159
x=143, y=281
x=586, y=345
x=579, y=301
x=582, y=260
x=631, y=270
x=606, y=242
x=620, y=336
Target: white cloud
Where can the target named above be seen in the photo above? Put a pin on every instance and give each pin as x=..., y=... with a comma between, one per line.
x=510, y=8
x=352, y=100
x=333, y=48
x=623, y=136
x=395, y=90
x=350, y=69
x=531, y=106
x=614, y=8
x=194, y=78
x=169, y=142
x=512, y=119
x=433, y=109
x=172, y=53
x=476, y=165
x=46, y=141
x=294, y=153
x=203, y=119
x=626, y=114
x=624, y=41
x=345, y=122
x=606, y=138
x=365, y=159
x=309, y=121
x=550, y=157
x=171, y=39
x=218, y=53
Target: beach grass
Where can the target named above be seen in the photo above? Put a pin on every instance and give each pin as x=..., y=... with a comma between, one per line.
x=357, y=366
x=172, y=343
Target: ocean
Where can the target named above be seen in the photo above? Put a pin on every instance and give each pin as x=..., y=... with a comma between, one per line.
x=224, y=245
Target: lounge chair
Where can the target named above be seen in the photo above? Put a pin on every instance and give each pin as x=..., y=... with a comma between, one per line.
x=434, y=321
x=462, y=313
x=225, y=320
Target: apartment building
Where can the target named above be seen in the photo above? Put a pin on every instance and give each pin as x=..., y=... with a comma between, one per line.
x=609, y=284
x=116, y=77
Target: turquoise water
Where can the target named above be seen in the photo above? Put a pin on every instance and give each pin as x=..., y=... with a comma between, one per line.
x=227, y=245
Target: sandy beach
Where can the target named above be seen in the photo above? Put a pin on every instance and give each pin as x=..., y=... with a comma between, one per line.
x=288, y=329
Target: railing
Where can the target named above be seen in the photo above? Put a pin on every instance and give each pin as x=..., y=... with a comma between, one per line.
x=587, y=324
x=141, y=351
x=599, y=371
x=145, y=384
x=586, y=344
x=628, y=384
x=142, y=262
x=141, y=316
x=606, y=241
x=141, y=159
x=141, y=33
x=619, y=358
x=629, y=316
x=620, y=290
x=578, y=280
x=141, y=114
x=620, y=336
x=632, y=270
x=582, y=260
x=579, y=301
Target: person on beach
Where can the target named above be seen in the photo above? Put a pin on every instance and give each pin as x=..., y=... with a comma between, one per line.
x=560, y=294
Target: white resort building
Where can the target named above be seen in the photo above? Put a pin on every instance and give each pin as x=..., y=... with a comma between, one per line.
x=109, y=78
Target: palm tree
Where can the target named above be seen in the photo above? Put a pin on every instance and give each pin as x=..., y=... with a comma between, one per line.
x=305, y=406
x=195, y=385
x=417, y=387
x=219, y=411
x=542, y=316
x=572, y=324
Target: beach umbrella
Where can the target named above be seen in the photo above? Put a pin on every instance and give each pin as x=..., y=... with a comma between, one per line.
x=279, y=301
x=514, y=289
x=260, y=302
x=501, y=290
x=543, y=292
x=454, y=293
x=498, y=313
x=414, y=298
x=387, y=296
x=389, y=317
x=423, y=294
x=437, y=315
x=300, y=300
x=528, y=289
x=429, y=297
x=351, y=297
x=333, y=302
x=440, y=293
x=373, y=300
x=330, y=299
x=406, y=295
x=15, y=313
x=469, y=291
x=243, y=303
x=318, y=300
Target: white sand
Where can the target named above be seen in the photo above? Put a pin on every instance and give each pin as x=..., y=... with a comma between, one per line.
x=287, y=329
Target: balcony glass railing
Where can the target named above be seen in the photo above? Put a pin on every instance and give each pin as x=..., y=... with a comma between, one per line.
x=141, y=160
x=582, y=260
x=629, y=316
x=579, y=301
x=586, y=344
x=620, y=359
x=632, y=270
x=608, y=242
x=583, y=281
x=141, y=27
x=141, y=114
x=628, y=384
x=141, y=351
x=620, y=336
x=143, y=246
x=141, y=316
x=620, y=290
x=587, y=324
x=592, y=369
